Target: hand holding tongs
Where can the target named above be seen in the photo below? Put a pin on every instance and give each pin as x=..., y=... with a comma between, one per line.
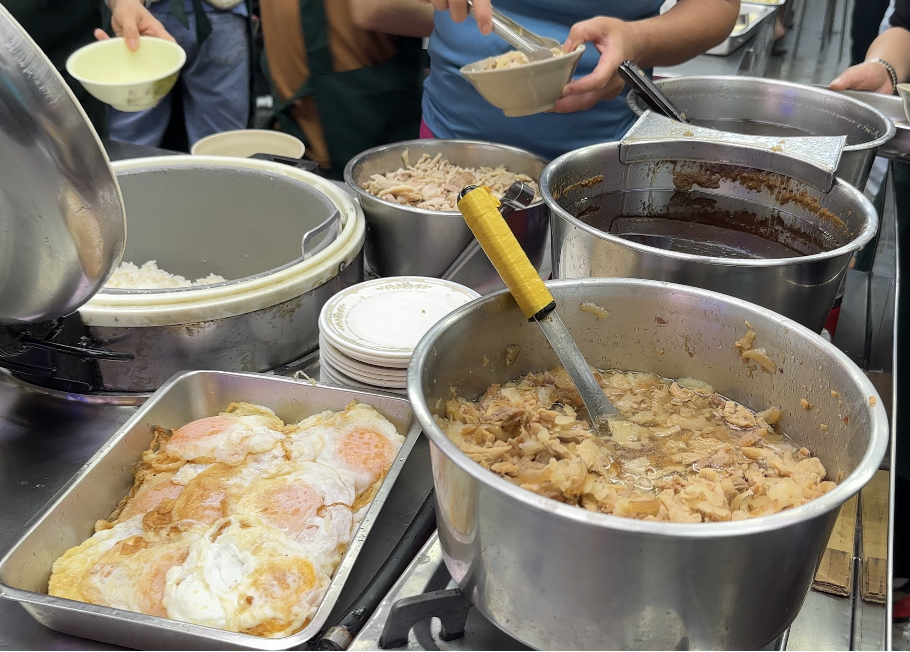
x=656, y=101
x=536, y=48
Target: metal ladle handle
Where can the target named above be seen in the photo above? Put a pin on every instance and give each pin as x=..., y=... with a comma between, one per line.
x=312, y=244
x=518, y=197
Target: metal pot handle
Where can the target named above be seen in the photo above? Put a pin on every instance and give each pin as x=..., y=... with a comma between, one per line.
x=518, y=197
x=812, y=160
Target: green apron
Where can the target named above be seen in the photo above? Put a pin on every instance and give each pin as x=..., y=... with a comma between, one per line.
x=362, y=108
x=60, y=27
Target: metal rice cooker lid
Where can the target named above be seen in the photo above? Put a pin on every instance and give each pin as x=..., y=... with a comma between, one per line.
x=62, y=221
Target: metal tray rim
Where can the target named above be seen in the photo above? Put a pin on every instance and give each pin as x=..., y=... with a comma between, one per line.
x=735, y=41
x=197, y=632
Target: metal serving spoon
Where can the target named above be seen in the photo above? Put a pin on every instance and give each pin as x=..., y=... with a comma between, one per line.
x=536, y=48
x=481, y=210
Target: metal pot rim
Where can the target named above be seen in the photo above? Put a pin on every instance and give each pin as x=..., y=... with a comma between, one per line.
x=855, y=481
x=857, y=243
x=363, y=194
x=890, y=129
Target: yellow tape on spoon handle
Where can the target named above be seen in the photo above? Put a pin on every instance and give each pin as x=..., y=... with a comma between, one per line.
x=481, y=211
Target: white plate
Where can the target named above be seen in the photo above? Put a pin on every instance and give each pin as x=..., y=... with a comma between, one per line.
x=398, y=383
x=329, y=349
x=330, y=374
x=356, y=369
x=384, y=319
x=374, y=361
x=368, y=380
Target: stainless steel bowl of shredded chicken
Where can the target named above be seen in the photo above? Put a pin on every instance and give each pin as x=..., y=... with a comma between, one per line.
x=698, y=522
x=409, y=191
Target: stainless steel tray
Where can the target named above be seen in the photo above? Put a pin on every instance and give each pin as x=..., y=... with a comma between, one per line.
x=735, y=41
x=69, y=518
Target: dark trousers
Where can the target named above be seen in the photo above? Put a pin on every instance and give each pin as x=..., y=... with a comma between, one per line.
x=867, y=17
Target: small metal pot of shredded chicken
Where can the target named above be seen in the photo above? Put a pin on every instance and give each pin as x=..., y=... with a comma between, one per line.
x=698, y=521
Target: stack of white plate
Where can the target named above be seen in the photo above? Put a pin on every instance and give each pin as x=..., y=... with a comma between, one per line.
x=368, y=332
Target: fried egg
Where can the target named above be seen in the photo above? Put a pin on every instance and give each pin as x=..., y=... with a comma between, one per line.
x=358, y=442
x=209, y=494
x=244, y=576
x=309, y=503
x=154, y=489
x=125, y=566
x=294, y=496
x=228, y=438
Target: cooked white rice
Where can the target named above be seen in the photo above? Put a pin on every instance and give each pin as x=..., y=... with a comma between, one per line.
x=149, y=277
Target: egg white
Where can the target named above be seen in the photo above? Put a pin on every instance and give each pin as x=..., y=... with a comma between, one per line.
x=358, y=442
x=243, y=575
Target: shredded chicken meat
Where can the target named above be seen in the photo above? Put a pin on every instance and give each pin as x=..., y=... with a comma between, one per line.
x=434, y=183
x=680, y=452
x=513, y=59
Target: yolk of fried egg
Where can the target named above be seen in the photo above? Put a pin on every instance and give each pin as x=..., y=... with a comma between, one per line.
x=357, y=442
x=245, y=577
x=294, y=496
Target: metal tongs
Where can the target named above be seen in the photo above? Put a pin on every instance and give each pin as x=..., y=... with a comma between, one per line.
x=536, y=48
x=642, y=84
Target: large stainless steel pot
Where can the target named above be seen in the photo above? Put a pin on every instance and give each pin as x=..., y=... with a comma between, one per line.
x=246, y=220
x=407, y=241
x=588, y=189
x=769, y=107
x=559, y=577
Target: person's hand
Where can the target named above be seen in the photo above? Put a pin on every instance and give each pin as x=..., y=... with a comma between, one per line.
x=868, y=76
x=610, y=37
x=130, y=19
x=458, y=9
